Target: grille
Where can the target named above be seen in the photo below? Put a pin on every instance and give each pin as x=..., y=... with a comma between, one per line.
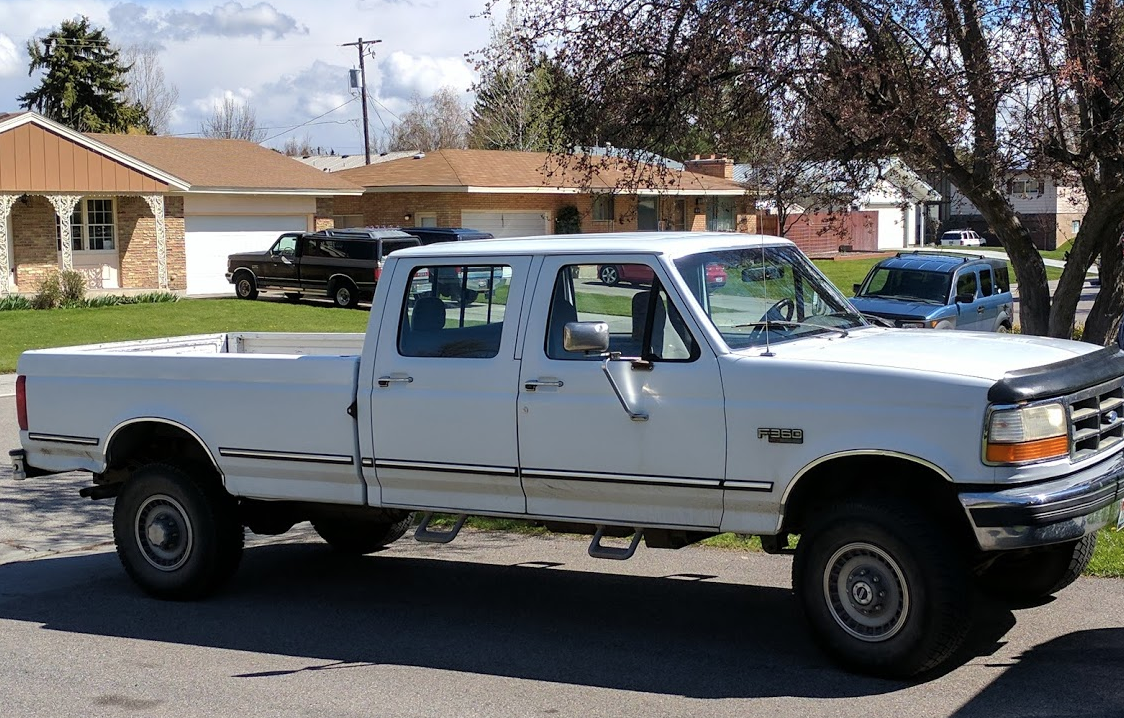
x=1096, y=419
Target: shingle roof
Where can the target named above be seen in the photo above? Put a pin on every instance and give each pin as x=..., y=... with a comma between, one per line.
x=226, y=164
x=502, y=169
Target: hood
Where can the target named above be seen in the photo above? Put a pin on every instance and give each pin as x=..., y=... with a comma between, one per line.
x=895, y=308
x=242, y=256
x=978, y=354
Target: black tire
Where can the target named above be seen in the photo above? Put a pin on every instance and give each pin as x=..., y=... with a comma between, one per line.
x=1029, y=576
x=470, y=295
x=245, y=286
x=177, y=531
x=361, y=536
x=883, y=588
x=609, y=274
x=345, y=295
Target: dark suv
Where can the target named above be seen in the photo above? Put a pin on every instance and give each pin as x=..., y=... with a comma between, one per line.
x=343, y=264
x=454, y=283
x=433, y=235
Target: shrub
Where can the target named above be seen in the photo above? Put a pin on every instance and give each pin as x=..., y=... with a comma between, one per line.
x=49, y=295
x=568, y=220
x=72, y=287
x=14, y=302
x=155, y=298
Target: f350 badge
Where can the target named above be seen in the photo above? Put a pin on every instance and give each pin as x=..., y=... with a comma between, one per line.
x=781, y=436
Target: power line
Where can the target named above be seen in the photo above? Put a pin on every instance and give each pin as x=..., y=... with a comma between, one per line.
x=304, y=124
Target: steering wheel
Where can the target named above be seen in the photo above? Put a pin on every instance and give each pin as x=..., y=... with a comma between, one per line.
x=782, y=311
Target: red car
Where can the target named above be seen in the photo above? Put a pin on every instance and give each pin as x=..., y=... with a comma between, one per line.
x=614, y=274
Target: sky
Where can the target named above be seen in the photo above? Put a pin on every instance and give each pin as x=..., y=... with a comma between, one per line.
x=283, y=58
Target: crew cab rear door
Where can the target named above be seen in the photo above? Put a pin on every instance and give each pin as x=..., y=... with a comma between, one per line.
x=442, y=405
x=581, y=453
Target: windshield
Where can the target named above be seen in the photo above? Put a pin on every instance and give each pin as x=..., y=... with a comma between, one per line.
x=762, y=295
x=908, y=284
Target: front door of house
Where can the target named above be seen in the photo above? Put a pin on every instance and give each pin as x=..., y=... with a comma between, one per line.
x=648, y=214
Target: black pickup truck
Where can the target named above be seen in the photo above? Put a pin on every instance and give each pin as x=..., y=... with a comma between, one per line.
x=343, y=264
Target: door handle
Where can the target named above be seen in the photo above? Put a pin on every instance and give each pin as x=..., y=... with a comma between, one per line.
x=534, y=384
x=385, y=381
x=979, y=310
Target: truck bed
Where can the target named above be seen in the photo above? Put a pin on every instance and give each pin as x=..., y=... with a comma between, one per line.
x=269, y=403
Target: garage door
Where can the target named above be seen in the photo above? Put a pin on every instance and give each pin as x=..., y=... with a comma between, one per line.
x=509, y=224
x=208, y=239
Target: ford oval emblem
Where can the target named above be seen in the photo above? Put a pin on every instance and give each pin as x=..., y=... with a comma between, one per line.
x=1111, y=417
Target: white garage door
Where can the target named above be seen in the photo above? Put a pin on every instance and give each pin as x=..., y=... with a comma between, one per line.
x=508, y=224
x=208, y=239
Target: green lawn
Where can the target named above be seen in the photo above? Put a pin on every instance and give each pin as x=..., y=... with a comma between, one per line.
x=28, y=329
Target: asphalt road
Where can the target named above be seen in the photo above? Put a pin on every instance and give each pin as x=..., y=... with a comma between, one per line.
x=491, y=625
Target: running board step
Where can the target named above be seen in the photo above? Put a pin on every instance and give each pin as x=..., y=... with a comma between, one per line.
x=596, y=550
x=424, y=534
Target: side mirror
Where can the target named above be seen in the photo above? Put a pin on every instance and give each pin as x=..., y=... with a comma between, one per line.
x=586, y=337
x=856, y=287
x=965, y=298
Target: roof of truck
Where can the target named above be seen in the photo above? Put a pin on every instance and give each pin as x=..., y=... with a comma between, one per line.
x=671, y=243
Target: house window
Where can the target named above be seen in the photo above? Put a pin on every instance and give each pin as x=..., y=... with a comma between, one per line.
x=92, y=226
x=1075, y=226
x=720, y=214
x=1024, y=186
x=603, y=209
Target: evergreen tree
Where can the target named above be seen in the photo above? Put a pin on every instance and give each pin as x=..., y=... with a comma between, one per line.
x=83, y=83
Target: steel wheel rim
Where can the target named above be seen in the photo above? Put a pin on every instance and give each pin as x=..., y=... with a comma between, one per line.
x=243, y=287
x=343, y=296
x=866, y=592
x=163, y=533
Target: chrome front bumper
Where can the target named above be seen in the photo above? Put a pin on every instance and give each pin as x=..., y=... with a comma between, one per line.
x=1048, y=512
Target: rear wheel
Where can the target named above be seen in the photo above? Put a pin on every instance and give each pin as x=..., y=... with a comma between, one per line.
x=245, y=286
x=358, y=536
x=1029, y=576
x=345, y=295
x=177, y=531
x=882, y=587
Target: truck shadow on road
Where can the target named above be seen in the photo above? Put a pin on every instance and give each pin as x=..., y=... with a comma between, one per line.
x=655, y=635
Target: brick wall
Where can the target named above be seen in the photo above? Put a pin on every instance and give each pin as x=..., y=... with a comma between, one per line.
x=176, y=249
x=713, y=166
x=136, y=244
x=35, y=242
x=325, y=209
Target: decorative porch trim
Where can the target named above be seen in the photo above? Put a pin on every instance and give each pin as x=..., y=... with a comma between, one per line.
x=156, y=204
x=6, y=202
x=64, y=205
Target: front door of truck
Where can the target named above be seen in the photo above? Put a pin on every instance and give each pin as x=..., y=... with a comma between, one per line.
x=280, y=268
x=443, y=400
x=582, y=453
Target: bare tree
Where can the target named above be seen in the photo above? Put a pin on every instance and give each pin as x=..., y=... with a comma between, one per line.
x=969, y=89
x=302, y=147
x=232, y=120
x=148, y=88
x=440, y=122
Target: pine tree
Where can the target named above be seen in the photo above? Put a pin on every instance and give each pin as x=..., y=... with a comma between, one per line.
x=83, y=83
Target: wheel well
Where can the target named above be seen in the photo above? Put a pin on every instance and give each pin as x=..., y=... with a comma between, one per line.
x=338, y=279
x=145, y=442
x=242, y=270
x=875, y=476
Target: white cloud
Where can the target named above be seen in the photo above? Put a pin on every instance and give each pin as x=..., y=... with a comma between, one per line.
x=404, y=74
x=207, y=105
x=12, y=61
x=231, y=19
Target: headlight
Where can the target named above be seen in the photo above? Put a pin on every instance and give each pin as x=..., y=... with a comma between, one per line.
x=1028, y=433
x=913, y=325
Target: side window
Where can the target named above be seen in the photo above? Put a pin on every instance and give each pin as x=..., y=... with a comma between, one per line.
x=286, y=246
x=470, y=326
x=966, y=284
x=312, y=248
x=1002, y=280
x=389, y=246
x=357, y=248
x=985, y=282
x=642, y=320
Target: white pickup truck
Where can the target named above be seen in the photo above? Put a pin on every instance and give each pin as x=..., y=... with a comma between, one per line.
x=914, y=466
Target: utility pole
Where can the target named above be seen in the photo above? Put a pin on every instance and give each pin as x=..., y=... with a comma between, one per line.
x=361, y=45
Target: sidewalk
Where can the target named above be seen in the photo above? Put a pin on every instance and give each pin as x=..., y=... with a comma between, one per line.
x=7, y=385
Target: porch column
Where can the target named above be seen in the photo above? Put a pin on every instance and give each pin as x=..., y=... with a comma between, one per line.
x=64, y=205
x=6, y=202
x=156, y=204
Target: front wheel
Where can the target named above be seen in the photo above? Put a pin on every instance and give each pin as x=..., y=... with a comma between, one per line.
x=245, y=286
x=609, y=275
x=357, y=536
x=882, y=588
x=177, y=532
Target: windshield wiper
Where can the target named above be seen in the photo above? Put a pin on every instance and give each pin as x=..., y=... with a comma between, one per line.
x=785, y=323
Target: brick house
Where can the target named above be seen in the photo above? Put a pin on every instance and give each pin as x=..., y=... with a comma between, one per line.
x=514, y=194
x=141, y=213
